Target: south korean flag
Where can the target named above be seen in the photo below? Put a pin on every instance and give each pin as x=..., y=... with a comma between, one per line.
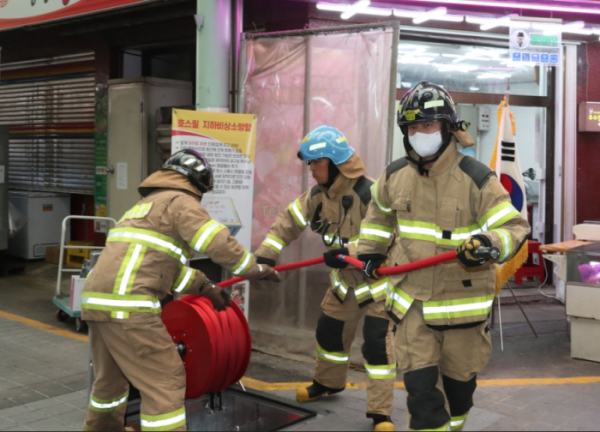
x=505, y=161
x=507, y=165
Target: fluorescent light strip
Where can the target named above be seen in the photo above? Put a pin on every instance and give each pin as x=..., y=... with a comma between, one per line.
x=493, y=76
x=361, y=7
x=499, y=4
x=355, y=8
x=416, y=15
x=336, y=7
x=426, y=16
x=504, y=21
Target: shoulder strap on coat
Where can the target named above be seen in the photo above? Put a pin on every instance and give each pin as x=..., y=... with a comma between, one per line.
x=362, y=187
x=479, y=173
x=314, y=191
x=397, y=165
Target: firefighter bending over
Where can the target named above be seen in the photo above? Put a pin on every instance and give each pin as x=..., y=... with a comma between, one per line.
x=144, y=261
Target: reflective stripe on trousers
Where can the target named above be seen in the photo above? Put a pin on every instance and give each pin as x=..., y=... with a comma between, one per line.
x=456, y=423
x=333, y=357
x=163, y=422
x=381, y=371
x=106, y=405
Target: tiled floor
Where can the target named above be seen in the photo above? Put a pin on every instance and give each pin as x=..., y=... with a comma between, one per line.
x=43, y=378
x=36, y=365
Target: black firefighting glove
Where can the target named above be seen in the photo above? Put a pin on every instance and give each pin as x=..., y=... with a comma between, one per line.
x=372, y=263
x=268, y=261
x=219, y=298
x=332, y=261
x=465, y=253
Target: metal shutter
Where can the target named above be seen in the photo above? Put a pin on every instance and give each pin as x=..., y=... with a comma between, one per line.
x=48, y=105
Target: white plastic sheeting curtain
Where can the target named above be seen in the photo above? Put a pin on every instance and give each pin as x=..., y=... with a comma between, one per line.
x=350, y=90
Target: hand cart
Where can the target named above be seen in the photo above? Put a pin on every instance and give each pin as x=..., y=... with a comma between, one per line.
x=64, y=312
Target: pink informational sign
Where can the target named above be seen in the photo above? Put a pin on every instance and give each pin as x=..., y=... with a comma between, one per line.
x=16, y=13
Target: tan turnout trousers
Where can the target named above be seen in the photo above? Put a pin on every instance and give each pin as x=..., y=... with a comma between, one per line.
x=333, y=374
x=443, y=364
x=144, y=354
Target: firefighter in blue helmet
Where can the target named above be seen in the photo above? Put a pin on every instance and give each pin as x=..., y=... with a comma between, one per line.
x=333, y=209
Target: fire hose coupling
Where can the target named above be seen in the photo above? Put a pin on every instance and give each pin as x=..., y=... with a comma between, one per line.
x=487, y=253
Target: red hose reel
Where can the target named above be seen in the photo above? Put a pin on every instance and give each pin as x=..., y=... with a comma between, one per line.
x=215, y=346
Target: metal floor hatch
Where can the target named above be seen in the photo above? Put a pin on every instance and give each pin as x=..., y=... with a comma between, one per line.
x=235, y=410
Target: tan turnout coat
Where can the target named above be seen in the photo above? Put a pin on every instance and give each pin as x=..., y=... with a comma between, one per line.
x=146, y=253
x=291, y=223
x=435, y=214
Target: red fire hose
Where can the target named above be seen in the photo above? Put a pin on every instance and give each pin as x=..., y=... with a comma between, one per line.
x=280, y=268
x=404, y=268
x=215, y=347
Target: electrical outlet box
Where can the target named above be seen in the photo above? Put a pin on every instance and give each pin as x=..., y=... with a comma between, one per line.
x=483, y=121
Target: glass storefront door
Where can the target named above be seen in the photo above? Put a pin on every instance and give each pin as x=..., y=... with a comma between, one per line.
x=478, y=78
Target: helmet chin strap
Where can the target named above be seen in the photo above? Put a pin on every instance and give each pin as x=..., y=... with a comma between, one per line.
x=446, y=138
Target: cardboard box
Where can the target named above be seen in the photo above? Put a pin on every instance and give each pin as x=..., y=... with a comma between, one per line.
x=53, y=253
x=77, y=284
x=585, y=334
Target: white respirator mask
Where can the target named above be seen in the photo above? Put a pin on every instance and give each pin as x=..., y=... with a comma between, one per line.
x=426, y=144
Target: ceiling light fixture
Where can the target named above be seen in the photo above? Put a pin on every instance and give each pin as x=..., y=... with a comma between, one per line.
x=426, y=16
x=440, y=14
x=493, y=76
x=337, y=7
x=459, y=59
x=515, y=5
x=456, y=68
x=356, y=7
x=417, y=15
x=504, y=22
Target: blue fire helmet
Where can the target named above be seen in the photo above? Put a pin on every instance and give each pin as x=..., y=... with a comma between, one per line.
x=325, y=142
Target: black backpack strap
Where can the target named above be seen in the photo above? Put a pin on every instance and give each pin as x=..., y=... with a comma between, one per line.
x=397, y=165
x=479, y=172
x=362, y=187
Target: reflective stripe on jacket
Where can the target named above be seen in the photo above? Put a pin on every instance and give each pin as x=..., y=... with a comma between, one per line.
x=459, y=198
x=147, y=252
x=291, y=223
